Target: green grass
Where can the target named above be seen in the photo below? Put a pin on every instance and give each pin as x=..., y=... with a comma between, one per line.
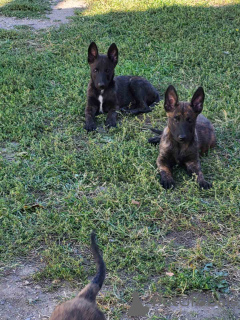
x=88, y=181
x=24, y=8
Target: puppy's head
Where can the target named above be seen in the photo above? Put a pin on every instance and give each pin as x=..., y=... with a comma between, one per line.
x=182, y=116
x=102, y=66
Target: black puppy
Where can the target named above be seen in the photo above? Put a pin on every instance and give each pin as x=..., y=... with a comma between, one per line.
x=108, y=94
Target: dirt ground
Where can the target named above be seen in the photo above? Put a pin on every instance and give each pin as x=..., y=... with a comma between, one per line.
x=61, y=10
x=24, y=299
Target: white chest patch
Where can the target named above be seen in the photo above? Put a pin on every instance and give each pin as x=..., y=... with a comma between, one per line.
x=100, y=99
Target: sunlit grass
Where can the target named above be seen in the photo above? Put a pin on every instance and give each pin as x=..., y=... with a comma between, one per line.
x=24, y=8
x=3, y=2
x=132, y=5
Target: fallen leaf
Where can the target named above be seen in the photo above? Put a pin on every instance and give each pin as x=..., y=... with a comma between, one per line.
x=33, y=206
x=136, y=202
x=208, y=267
x=22, y=154
x=55, y=281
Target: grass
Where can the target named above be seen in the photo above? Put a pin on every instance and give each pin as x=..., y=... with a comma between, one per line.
x=58, y=182
x=24, y=8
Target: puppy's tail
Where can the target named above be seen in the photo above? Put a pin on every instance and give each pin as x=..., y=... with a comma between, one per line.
x=155, y=140
x=156, y=131
x=100, y=276
x=91, y=290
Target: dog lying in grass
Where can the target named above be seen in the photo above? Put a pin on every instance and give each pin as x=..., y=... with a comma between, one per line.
x=108, y=94
x=83, y=306
x=187, y=133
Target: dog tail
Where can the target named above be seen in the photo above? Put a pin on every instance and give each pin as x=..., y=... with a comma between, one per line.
x=91, y=290
x=156, y=131
x=155, y=140
x=100, y=276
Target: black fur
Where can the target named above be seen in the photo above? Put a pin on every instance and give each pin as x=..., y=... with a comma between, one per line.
x=127, y=93
x=101, y=273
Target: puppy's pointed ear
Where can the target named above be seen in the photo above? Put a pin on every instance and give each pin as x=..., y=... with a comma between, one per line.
x=197, y=100
x=113, y=54
x=171, y=99
x=92, y=52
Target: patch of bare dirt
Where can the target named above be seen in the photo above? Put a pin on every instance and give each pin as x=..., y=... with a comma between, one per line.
x=61, y=11
x=8, y=152
x=186, y=239
x=196, y=306
x=201, y=306
x=23, y=299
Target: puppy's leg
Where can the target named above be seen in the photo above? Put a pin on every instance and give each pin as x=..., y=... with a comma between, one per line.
x=155, y=100
x=90, y=112
x=142, y=108
x=195, y=167
x=111, y=120
x=138, y=90
x=165, y=169
x=145, y=95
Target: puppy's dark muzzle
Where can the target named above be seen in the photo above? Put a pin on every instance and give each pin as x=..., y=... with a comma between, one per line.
x=182, y=138
x=101, y=86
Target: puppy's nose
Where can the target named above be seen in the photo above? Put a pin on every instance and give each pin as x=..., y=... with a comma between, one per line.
x=182, y=137
x=101, y=85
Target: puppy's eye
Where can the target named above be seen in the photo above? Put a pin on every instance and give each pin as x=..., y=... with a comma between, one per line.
x=95, y=70
x=189, y=120
x=176, y=119
x=107, y=70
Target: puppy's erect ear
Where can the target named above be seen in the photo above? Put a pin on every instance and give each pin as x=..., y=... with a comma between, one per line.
x=197, y=100
x=171, y=99
x=92, y=52
x=113, y=54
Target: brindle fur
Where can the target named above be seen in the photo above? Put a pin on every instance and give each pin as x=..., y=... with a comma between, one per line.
x=187, y=133
x=116, y=92
x=83, y=306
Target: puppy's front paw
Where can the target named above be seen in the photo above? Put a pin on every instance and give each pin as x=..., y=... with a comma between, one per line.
x=110, y=123
x=138, y=111
x=203, y=184
x=90, y=126
x=125, y=110
x=167, y=183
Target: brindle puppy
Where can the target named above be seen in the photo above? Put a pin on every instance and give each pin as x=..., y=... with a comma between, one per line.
x=84, y=307
x=186, y=134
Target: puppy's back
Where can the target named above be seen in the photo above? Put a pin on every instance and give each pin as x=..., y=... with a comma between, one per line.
x=206, y=134
x=77, y=309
